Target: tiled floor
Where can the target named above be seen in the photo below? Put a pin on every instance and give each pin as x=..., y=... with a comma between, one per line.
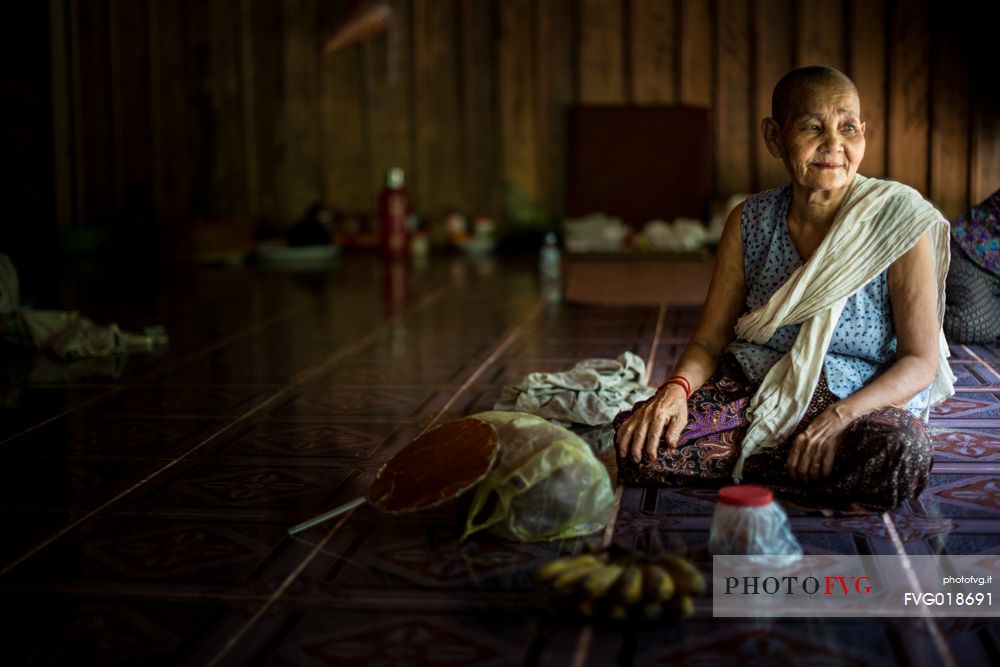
x=146, y=503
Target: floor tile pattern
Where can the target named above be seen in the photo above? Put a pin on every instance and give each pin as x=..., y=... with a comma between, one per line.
x=147, y=499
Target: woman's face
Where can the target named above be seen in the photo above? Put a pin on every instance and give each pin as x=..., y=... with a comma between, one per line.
x=823, y=139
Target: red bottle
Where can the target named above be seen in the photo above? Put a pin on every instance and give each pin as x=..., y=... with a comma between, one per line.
x=393, y=209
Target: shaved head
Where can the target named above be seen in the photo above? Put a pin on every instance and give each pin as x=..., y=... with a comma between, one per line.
x=799, y=84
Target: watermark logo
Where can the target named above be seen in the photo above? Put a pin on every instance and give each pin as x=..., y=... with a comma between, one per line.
x=855, y=586
x=829, y=585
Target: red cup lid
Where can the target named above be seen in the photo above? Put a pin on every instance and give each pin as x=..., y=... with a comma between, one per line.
x=745, y=495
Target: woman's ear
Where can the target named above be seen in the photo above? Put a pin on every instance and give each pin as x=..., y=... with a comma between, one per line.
x=772, y=137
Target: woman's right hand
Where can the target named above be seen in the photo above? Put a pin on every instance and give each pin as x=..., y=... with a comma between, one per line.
x=665, y=411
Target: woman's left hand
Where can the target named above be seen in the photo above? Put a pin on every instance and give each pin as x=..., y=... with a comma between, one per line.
x=814, y=449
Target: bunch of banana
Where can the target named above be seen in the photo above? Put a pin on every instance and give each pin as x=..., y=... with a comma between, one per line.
x=624, y=584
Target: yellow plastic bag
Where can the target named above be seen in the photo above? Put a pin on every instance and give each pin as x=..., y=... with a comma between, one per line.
x=547, y=484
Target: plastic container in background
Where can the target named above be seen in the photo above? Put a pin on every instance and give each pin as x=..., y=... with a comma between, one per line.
x=550, y=258
x=550, y=270
x=748, y=522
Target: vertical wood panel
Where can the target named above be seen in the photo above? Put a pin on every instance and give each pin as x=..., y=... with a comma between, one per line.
x=115, y=93
x=654, y=48
x=78, y=146
x=517, y=98
x=212, y=31
x=478, y=111
x=248, y=86
x=389, y=99
x=314, y=96
x=868, y=71
x=229, y=170
x=342, y=164
x=985, y=98
x=950, y=116
x=479, y=149
x=772, y=28
x=820, y=33
x=696, y=53
x=62, y=112
x=134, y=125
x=437, y=120
x=95, y=141
x=555, y=95
x=600, y=63
x=908, y=94
x=266, y=123
x=214, y=54
x=986, y=153
x=733, y=109
x=198, y=42
x=171, y=150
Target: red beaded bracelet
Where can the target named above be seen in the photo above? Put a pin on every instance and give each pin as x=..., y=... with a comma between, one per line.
x=683, y=382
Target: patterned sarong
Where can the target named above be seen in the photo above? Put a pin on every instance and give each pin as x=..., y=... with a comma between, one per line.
x=884, y=459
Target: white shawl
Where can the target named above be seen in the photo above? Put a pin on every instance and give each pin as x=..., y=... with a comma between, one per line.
x=878, y=222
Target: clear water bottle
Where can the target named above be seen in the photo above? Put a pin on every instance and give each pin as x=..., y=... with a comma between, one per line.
x=748, y=522
x=550, y=258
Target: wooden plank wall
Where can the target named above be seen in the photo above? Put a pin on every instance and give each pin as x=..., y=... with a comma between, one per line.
x=176, y=111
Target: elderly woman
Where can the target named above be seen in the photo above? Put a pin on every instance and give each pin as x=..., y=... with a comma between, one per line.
x=819, y=348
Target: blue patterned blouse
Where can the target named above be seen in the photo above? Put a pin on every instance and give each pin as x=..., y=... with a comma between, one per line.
x=864, y=342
